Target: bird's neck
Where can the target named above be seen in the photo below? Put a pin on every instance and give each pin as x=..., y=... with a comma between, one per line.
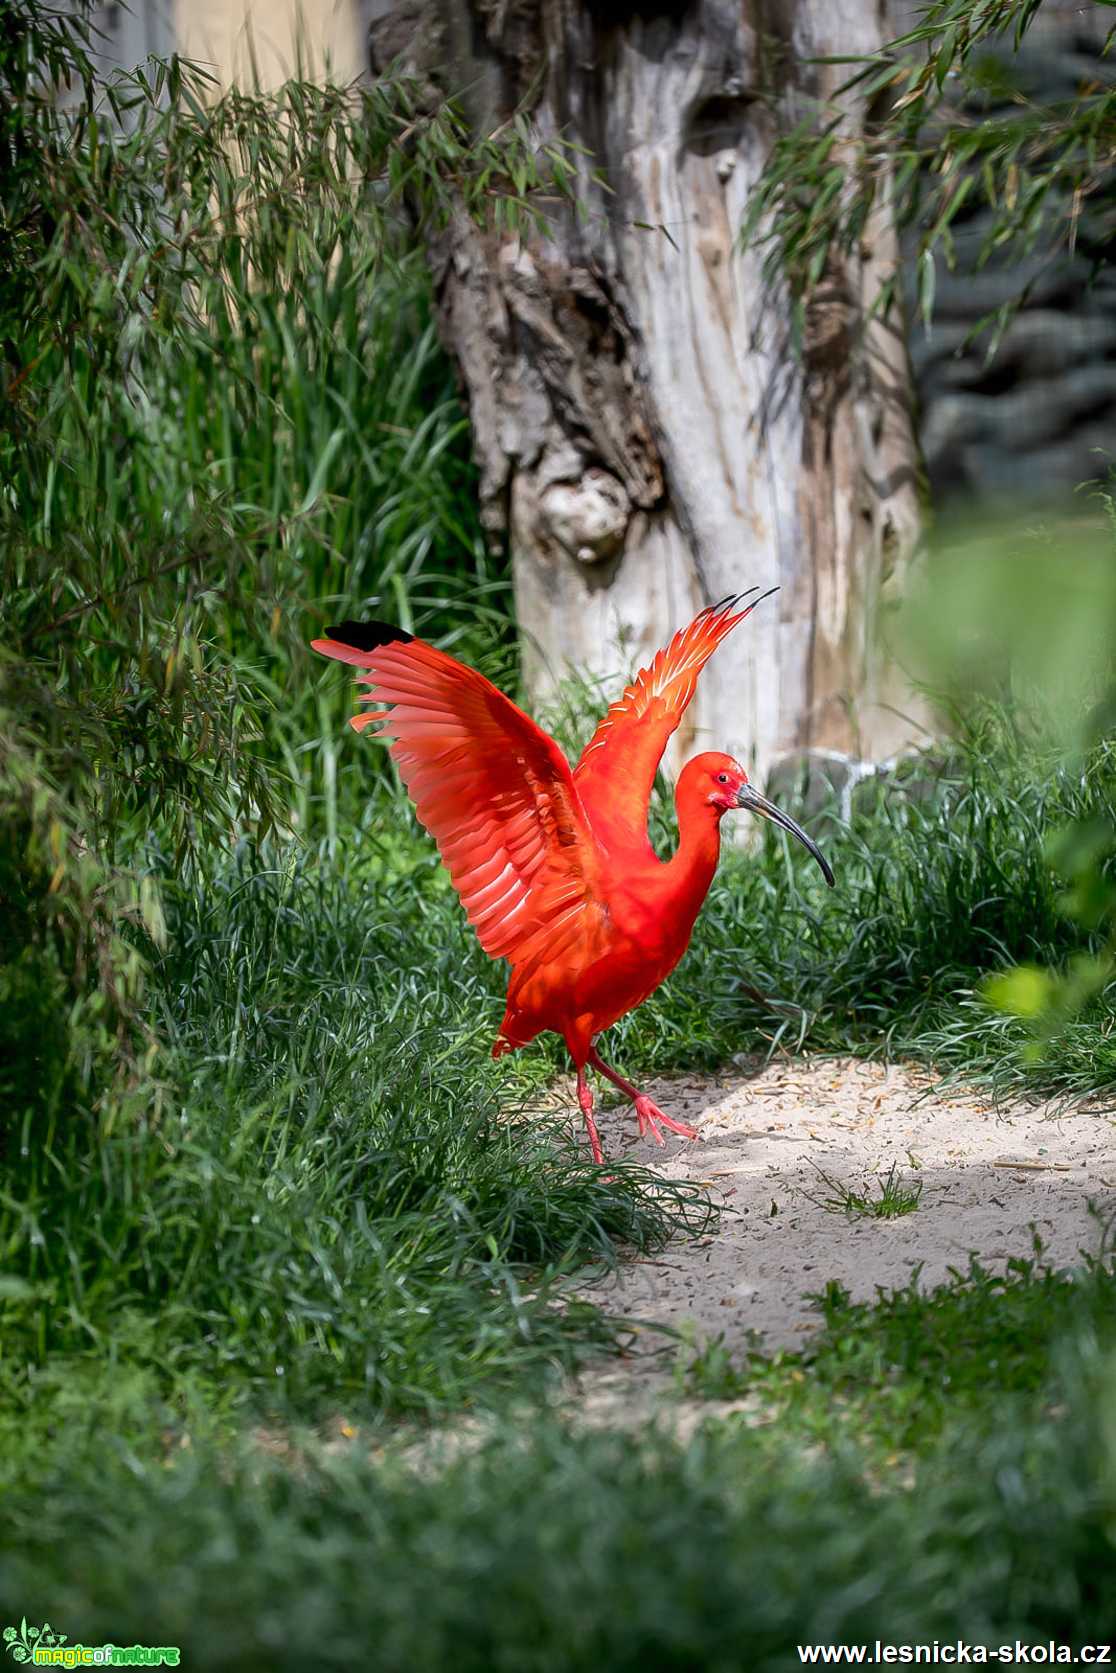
x=689, y=871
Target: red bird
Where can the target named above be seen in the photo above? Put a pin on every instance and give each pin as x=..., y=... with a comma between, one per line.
x=554, y=867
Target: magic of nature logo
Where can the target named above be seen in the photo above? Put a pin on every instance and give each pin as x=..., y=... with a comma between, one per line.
x=43, y=1647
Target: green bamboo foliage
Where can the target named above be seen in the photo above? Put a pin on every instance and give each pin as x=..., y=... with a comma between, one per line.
x=225, y=396
x=225, y=414
x=933, y=150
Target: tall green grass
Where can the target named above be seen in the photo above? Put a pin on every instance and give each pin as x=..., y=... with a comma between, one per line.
x=320, y=1194
x=557, y=1549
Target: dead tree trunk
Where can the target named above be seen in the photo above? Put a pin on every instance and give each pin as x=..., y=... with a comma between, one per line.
x=647, y=438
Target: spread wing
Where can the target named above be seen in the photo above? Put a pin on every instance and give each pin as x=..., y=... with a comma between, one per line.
x=494, y=791
x=616, y=772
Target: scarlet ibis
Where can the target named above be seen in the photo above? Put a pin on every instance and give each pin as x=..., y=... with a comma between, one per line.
x=554, y=866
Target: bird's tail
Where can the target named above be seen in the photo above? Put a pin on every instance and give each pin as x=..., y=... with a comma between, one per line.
x=515, y=1032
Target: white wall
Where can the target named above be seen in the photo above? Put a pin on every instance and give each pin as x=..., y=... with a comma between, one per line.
x=271, y=40
x=239, y=40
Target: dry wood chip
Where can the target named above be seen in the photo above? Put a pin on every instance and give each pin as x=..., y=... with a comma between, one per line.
x=1030, y=1167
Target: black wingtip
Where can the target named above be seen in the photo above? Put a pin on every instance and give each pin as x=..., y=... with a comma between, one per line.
x=368, y=636
x=725, y=605
x=736, y=601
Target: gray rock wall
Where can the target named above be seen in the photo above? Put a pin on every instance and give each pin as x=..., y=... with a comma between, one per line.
x=1037, y=417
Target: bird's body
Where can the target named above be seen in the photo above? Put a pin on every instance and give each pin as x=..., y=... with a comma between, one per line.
x=554, y=866
x=644, y=917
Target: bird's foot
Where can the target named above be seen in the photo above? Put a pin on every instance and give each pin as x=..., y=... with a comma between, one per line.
x=652, y=1120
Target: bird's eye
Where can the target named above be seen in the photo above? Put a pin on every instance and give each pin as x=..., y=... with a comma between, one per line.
x=722, y=778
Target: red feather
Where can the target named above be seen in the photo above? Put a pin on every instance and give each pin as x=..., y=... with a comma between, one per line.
x=494, y=791
x=616, y=772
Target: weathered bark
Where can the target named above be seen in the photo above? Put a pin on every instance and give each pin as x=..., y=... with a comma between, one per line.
x=648, y=441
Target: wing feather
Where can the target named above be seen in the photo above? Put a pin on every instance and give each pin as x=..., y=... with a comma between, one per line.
x=616, y=772
x=494, y=790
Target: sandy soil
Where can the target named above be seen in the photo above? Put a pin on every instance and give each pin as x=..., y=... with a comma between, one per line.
x=989, y=1174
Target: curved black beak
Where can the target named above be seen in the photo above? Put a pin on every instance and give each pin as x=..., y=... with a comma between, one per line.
x=748, y=797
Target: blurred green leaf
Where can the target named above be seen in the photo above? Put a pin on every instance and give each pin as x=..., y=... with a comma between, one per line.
x=1023, y=992
x=1024, y=612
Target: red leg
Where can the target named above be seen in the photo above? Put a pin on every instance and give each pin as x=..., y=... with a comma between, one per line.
x=585, y=1099
x=650, y=1117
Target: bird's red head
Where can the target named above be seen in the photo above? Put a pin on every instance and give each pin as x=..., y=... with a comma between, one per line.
x=719, y=782
x=721, y=779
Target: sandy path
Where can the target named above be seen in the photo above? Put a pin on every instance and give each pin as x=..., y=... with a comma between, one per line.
x=988, y=1175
